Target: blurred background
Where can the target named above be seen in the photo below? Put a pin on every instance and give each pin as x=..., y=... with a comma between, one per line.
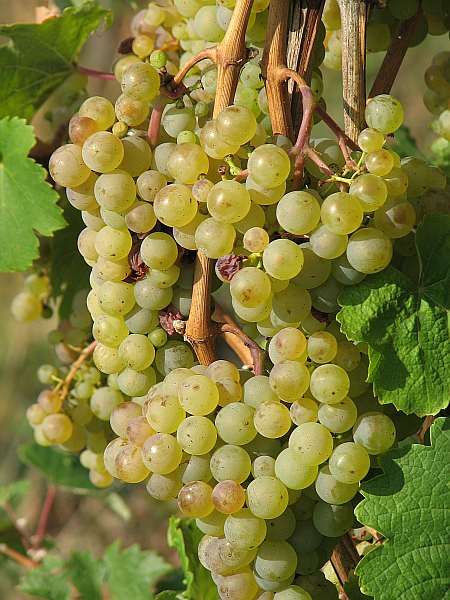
x=88, y=522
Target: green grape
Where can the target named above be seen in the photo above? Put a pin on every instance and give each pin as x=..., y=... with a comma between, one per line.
x=312, y=325
x=403, y=10
x=313, y=442
x=113, y=244
x=244, y=530
x=267, y=497
x=109, y=330
x=136, y=383
x=332, y=520
x=370, y=140
x=173, y=355
x=158, y=337
x=298, y=212
x=103, y=402
x=198, y=395
x=378, y=37
x=276, y=560
x=161, y=453
x=131, y=111
x=370, y=190
x=56, y=428
x=329, y=384
x=282, y=527
x=175, y=120
x=396, y=182
x=196, y=469
x=331, y=490
x=341, y=213
x=283, y=259
x=270, y=587
x=317, y=586
x=315, y=270
x=292, y=471
x=339, y=417
x=256, y=239
x=141, y=320
x=26, y=307
x=212, y=524
x=344, y=273
x=375, y=432
x=174, y=205
x=322, y=347
x=150, y=296
x=269, y=166
x=195, y=499
x=288, y=344
x=261, y=446
x=186, y=137
x=396, y=218
x=67, y=168
x=100, y=110
x=347, y=355
x=289, y=380
x=109, y=270
x=325, y=297
x=129, y=466
x=185, y=236
x=264, y=196
x=82, y=196
x=306, y=538
x=327, y=244
x=257, y=390
x=138, y=430
x=149, y=183
x=384, y=113
x=103, y=152
x=197, y=435
x=163, y=279
x=349, y=463
x=80, y=128
x=379, y=162
x=164, y=487
x=186, y=162
x=205, y=24
x=116, y=298
x=163, y=410
x=272, y=419
x=213, y=144
x=228, y=497
x=250, y=76
x=236, y=125
x=234, y=423
x=159, y=251
x=263, y=466
x=252, y=315
x=222, y=369
x=201, y=189
x=122, y=64
x=228, y=201
x=293, y=592
x=215, y=239
x=369, y=250
x=290, y=306
x=238, y=586
x=304, y=410
x=137, y=155
x=250, y=287
x=230, y=462
x=49, y=401
x=113, y=219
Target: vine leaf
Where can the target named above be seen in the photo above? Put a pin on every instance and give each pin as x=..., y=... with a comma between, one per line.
x=408, y=504
x=40, y=57
x=86, y=573
x=406, y=325
x=131, y=572
x=59, y=468
x=47, y=581
x=28, y=204
x=184, y=536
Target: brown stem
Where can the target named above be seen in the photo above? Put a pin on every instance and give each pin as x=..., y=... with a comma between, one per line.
x=242, y=176
x=94, y=73
x=248, y=350
x=210, y=53
x=342, y=138
x=154, y=125
x=394, y=56
x=344, y=559
x=17, y=557
x=353, y=37
x=230, y=55
x=84, y=354
x=427, y=423
x=47, y=506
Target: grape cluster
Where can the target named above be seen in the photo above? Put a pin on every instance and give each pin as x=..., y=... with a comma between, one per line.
x=30, y=303
x=437, y=101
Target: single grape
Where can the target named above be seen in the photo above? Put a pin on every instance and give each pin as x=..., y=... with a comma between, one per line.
x=195, y=499
x=250, y=287
x=304, y=410
x=269, y=165
x=228, y=497
x=267, y=497
x=276, y=560
x=103, y=152
x=369, y=250
x=174, y=205
x=341, y=213
x=244, y=530
x=329, y=384
x=272, y=419
x=332, y=520
x=283, y=259
x=298, y=212
x=292, y=471
x=384, y=113
x=375, y=432
x=234, y=423
x=349, y=463
x=197, y=435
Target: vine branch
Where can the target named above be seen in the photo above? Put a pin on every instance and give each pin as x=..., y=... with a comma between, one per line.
x=84, y=354
x=46, y=509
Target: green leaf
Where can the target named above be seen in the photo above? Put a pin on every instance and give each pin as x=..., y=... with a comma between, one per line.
x=27, y=201
x=61, y=468
x=184, y=536
x=39, y=57
x=47, y=581
x=14, y=492
x=409, y=504
x=406, y=325
x=69, y=272
x=132, y=573
x=352, y=589
x=167, y=595
x=86, y=573
x=405, y=144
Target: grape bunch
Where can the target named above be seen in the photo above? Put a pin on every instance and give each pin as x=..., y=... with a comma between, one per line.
x=31, y=303
x=268, y=464
x=437, y=101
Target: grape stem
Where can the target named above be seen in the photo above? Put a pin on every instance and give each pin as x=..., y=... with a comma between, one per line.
x=96, y=74
x=17, y=557
x=46, y=509
x=154, y=125
x=84, y=354
x=344, y=559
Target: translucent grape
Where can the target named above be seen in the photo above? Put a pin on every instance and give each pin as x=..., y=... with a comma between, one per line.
x=103, y=402
x=290, y=306
x=187, y=162
x=57, y=428
x=230, y=462
x=379, y=162
x=137, y=156
x=152, y=297
x=275, y=560
x=141, y=320
x=298, y=212
x=327, y=244
x=26, y=307
x=293, y=592
x=213, y=144
x=159, y=251
x=136, y=383
x=236, y=125
x=137, y=351
x=375, y=432
x=341, y=213
x=287, y=344
x=228, y=497
x=322, y=347
x=222, y=369
x=176, y=120
x=289, y=379
x=173, y=355
x=131, y=110
x=234, y=424
x=347, y=355
x=261, y=195
x=332, y=520
x=149, y=183
x=338, y=417
x=257, y=390
x=329, y=384
x=370, y=140
x=267, y=497
x=384, y=113
x=349, y=463
x=344, y=273
x=396, y=218
x=198, y=395
x=283, y=259
x=196, y=469
x=174, y=205
x=103, y=152
x=212, y=524
x=66, y=166
x=269, y=166
x=161, y=453
x=396, y=182
x=256, y=239
x=194, y=499
x=370, y=190
x=141, y=217
x=369, y=250
x=109, y=330
x=292, y=471
x=263, y=466
x=100, y=110
x=164, y=487
x=304, y=410
x=228, y=201
x=272, y=419
x=250, y=287
x=197, y=435
x=80, y=128
x=315, y=270
x=116, y=297
x=215, y=239
x=244, y=530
